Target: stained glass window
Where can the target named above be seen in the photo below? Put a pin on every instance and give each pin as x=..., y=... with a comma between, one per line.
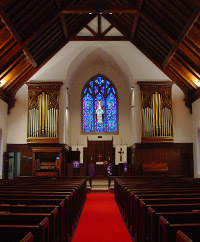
x=99, y=106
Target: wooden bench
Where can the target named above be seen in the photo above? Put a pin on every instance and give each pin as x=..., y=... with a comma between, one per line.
x=51, y=212
x=154, y=168
x=154, y=211
x=71, y=194
x=39, y=226
x=141, y=213
x=168, y=229
x=152, y=192
x=7, y=236
x=182, y=237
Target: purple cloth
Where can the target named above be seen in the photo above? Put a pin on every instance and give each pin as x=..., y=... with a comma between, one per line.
x=125, y=167
x=76, y=164
x=109, y=170
x=91, y=170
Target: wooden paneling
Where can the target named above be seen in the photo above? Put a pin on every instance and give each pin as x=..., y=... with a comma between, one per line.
x=26, y=154
x=103, y=148
x=178, y=156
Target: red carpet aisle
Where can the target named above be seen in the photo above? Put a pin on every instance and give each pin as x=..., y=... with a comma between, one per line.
x=101, y=221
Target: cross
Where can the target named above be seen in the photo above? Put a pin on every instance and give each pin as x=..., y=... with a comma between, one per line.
x=121, y=152
x=99, y=156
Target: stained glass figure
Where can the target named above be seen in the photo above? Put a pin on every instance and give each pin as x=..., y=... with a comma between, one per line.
x=99, y=106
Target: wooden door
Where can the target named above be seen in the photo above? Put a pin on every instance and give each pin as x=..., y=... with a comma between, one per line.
x=99, y=151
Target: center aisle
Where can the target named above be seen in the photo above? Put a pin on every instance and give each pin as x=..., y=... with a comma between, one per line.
x=101, y=221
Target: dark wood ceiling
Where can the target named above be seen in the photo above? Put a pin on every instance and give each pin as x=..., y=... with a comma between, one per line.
x=166, y=31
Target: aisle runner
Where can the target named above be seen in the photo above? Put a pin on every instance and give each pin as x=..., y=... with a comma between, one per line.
x=101, y=221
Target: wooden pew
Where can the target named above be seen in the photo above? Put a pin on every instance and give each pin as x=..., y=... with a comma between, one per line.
x=182, y=237
x=55, y=202
x=168, y=229
x=7, y=236
x=154, y=168
x=188, y=189
x=141, y=212
x=51, y=212
x=15, y=224
x=49, y=192
x=154, y=211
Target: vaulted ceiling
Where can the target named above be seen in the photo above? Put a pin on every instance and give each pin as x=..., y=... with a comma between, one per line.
x=166, y=31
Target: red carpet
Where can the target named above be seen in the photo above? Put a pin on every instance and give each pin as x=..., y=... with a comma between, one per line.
x=101, y=221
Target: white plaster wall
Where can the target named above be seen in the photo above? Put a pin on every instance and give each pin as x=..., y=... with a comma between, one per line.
x=182, y=118
x=77, y=138
x=3, y=132
x=196, y=145
x=76, y=63
x=17, y=119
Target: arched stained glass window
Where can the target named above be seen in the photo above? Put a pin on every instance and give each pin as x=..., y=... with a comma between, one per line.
x=99, y=106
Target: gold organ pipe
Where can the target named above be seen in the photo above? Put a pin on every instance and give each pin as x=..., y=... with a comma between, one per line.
x=43, y=109
x=46, y=109
x=154, y=123
x=159, y=102
x=40, y=114
x=155, y=97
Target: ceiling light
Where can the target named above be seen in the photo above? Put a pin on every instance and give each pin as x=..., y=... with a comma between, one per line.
x=110, y=13
x=197, y=81
x=90, y=13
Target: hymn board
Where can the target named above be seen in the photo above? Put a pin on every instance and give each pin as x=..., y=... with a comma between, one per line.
x=43, y=112
x=156, y=108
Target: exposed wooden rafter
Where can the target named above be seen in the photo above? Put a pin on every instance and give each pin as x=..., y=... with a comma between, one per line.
x=182, y=35
x=168, y=33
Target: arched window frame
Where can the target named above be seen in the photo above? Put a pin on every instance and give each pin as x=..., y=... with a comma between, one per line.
x=93, y=98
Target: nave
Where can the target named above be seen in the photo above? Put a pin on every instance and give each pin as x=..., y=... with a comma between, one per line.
x=101, y=220
x=142, y=209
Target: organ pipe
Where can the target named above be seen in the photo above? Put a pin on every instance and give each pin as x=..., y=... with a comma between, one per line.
x=43, y=119
x=157, y=120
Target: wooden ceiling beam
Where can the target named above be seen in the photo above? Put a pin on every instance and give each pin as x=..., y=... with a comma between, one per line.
x=7, y=98
x=10, y=26
x=182, y=35
x=99, y=25
x=84, y=22
x=93, y=9
x=30, y=57
x=117, y=25
x=64, y=26
x=157, y=28
x=101, y=38
x=107, y=30
x=135, y=22
x=91, y=30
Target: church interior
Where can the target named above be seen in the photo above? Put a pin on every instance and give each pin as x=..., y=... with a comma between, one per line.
x=100, y=100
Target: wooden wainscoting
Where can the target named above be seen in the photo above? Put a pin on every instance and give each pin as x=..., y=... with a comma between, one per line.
x=178, y=156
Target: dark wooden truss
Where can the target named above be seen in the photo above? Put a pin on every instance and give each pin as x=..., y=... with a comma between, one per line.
x=167, y=32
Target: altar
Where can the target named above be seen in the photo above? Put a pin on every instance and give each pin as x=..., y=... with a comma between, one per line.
x=100, y=169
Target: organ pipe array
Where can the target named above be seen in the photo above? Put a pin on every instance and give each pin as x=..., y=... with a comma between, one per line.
x=43, y=111
x=157, y=120
x=43, y=120
x=156, y=110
